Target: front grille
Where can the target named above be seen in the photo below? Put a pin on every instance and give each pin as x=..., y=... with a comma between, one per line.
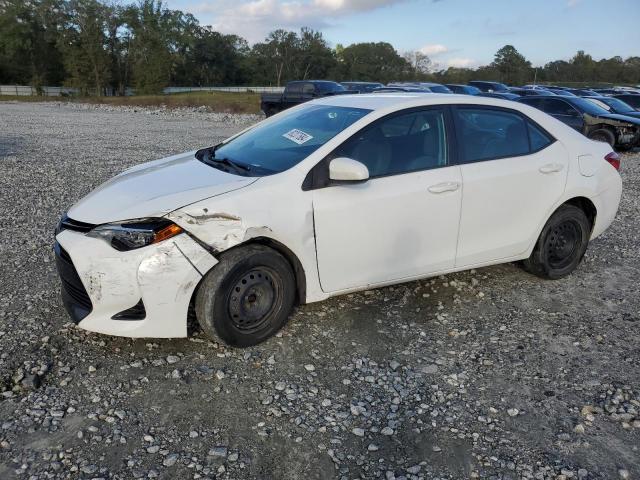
x=74, y=296
x=67, y=223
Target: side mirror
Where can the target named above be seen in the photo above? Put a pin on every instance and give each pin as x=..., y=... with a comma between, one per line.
x=347, y=170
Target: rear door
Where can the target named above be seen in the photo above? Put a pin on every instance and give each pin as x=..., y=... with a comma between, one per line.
x=513, y=172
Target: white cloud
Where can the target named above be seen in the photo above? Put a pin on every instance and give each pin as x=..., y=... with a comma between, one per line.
x=460, y=62
x=433, y=50
x=573, y=3
x=254, y=19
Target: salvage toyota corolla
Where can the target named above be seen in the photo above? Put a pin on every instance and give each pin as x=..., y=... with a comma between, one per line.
x=336, y=195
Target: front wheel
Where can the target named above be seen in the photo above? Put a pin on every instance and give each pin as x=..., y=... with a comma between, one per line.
x=247, y=297
x=561, y=245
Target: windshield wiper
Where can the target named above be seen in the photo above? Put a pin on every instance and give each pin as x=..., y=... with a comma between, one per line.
x=208, y=155
x=238, y=167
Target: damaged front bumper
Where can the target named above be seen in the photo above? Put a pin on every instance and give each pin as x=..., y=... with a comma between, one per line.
x=139, y=293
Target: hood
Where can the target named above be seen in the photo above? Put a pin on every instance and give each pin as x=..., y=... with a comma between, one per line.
x=154, y=189
x=635, y=115
x=621, y=118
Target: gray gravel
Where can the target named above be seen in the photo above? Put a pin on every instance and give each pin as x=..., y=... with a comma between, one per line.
x=483, y=374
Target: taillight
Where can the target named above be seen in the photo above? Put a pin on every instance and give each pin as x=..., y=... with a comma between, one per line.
x=614, y=159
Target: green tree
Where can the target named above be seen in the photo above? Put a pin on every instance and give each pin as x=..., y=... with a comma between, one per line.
x=84, y=44
x=373, y=62
x=28, y=42
x=314, y=57
x=511, y=66
x=151, y=59
x=216, y=59
x=420, y=63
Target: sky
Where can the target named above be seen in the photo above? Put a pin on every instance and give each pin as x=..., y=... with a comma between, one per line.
x=451, y=32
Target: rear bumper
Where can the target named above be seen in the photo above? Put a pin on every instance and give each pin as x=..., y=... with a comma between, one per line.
x=607, y=203
x=100, y=283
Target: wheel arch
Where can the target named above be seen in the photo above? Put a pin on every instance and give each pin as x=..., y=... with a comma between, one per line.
x=296, y=266
x=586, y=205
x=294, y=261
x=576, y=199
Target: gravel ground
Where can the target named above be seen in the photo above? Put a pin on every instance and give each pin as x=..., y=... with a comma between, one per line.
x=483, y=374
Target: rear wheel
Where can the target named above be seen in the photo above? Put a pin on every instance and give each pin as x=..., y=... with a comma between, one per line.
x=603, y=135
x=247, y=297
x=561, y=245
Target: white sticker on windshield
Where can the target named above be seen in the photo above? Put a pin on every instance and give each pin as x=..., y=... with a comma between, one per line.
x=297, y=136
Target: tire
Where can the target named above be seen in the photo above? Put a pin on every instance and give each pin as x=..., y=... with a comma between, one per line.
x=561, y=245
x=603, y=135
x=266, y=290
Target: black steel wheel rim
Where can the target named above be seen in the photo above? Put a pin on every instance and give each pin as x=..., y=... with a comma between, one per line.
x=562, y=244
x=253, y=298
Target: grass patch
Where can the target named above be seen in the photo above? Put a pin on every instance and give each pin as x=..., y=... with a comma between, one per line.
x=230, y=102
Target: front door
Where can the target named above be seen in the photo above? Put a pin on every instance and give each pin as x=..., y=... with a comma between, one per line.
x=402, y=222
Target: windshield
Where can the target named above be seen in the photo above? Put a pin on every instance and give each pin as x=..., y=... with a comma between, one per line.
x=587, y=106
x=499, y=87
x=278, y=145
x=618, y=105
x=330, y=87
x=439, y=89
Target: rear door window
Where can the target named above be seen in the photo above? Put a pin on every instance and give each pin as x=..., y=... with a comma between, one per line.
x=488, y=134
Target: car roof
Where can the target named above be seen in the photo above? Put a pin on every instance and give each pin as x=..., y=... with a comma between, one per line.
x=552, y=97
x=361, y=83
x=381, y=101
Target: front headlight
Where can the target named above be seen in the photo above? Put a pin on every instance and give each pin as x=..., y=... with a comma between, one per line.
x=134, y=234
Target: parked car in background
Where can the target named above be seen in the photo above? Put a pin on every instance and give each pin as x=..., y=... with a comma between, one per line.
x=463, y=89
x=634, y=90
x=432, y=87
x=607, y=91
x=297, y=92
x=529, y=92
x=361, y=87
x=615, y=105
x=589, y=119
x=489, y=87
x=581, y=92
x=337, y=195
x=560, y=91
x=502, y=95
x=401, y=89
x=629, y=99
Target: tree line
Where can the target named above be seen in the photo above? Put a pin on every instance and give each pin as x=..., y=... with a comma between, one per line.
x=106, y=46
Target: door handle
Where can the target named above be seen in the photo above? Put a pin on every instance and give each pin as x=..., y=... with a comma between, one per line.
x=444, y=187
x=551, y=168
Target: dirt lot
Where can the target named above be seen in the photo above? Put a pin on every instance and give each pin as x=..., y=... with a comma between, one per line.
x=484, y=374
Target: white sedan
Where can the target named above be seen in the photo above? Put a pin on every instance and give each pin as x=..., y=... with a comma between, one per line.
x=333, y=196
